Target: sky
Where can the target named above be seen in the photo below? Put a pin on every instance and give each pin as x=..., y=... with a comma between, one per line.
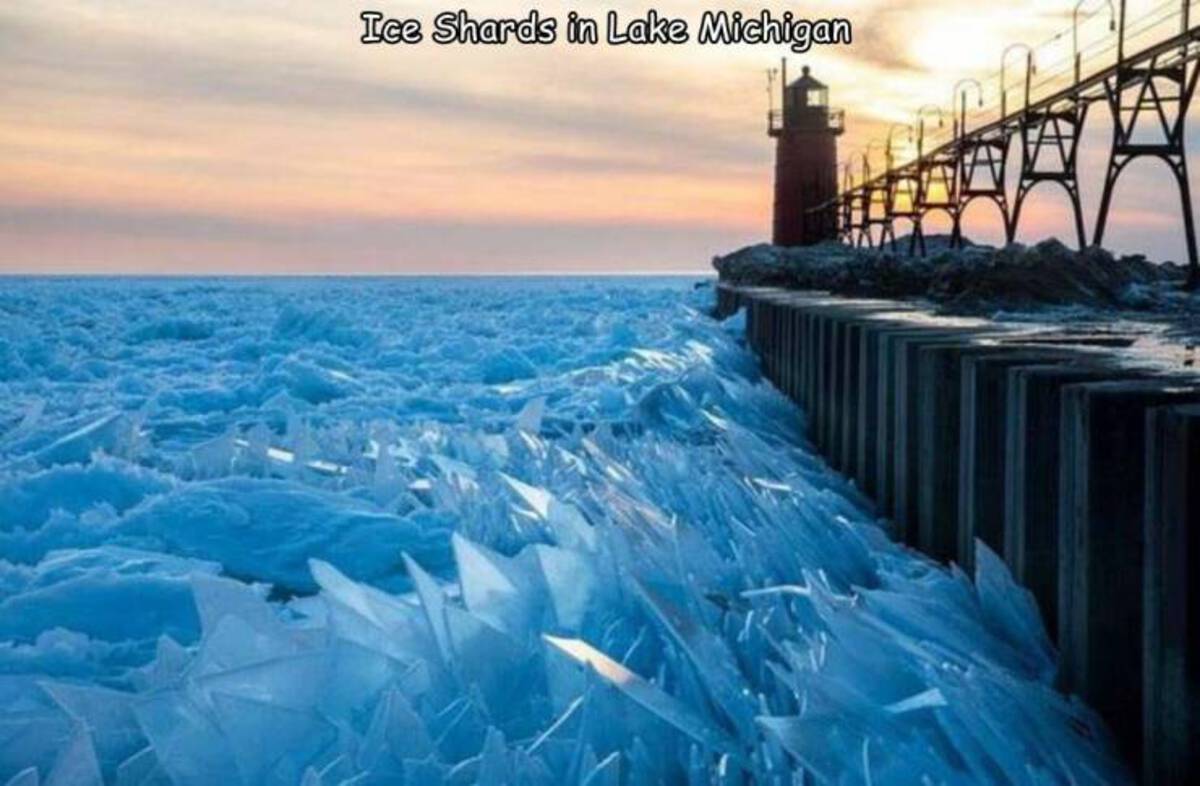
x=259, y=136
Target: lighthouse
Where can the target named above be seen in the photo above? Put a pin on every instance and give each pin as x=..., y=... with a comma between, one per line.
x=805, y=130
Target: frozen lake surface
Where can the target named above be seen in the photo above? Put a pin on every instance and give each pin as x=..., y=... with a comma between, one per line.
x=460, y=531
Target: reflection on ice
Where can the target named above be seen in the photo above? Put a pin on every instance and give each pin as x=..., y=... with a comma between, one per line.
x=432, y=532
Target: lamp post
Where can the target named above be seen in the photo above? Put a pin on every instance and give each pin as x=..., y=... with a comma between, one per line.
x=892, y=178
x=960, y=125
x=866, y=158
x=868, y=190
x=924, y=181
x=847, y=206
x=891, y=131
x=921, y=113
x=1030, y=69
x=1112, y=26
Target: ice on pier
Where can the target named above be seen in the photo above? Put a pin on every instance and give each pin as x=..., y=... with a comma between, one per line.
x=479, y=532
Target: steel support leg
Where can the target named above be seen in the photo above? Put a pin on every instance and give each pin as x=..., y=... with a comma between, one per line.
x=1110, y=181
x=1072, y=190
x=1150, y=106
x=917, y=238
x=1189, y=221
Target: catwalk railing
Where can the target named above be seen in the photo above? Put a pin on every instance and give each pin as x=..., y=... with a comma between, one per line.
x=1143, y=65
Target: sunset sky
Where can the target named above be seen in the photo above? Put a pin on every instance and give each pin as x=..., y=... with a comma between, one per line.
x=259, y=136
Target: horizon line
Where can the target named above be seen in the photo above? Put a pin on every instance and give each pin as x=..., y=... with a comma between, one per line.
x=364, y=274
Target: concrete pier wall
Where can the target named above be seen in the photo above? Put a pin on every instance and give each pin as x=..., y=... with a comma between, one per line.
x=1082, y=471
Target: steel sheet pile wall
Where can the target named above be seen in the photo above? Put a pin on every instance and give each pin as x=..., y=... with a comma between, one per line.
x=1081, y=471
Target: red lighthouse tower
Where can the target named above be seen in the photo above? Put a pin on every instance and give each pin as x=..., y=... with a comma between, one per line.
x=805, y=132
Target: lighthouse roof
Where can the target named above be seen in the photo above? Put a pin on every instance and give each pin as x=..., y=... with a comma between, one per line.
x=808, y=81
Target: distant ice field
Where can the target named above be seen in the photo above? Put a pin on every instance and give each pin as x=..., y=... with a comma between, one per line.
x=469, y=531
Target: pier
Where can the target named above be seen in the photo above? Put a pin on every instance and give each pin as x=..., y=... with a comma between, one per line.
x=1075, y=463
x=1143, y=67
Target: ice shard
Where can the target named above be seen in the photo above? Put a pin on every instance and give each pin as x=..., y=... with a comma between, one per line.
x=645, y=695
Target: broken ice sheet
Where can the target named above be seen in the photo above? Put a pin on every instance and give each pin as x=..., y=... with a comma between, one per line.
x=644, y=694
x=506, y=593
x=107, y=715
x=569, y=527
x=237, y=565
x=838, y=749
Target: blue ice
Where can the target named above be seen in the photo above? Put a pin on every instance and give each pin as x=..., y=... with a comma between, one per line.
x=425, y=531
